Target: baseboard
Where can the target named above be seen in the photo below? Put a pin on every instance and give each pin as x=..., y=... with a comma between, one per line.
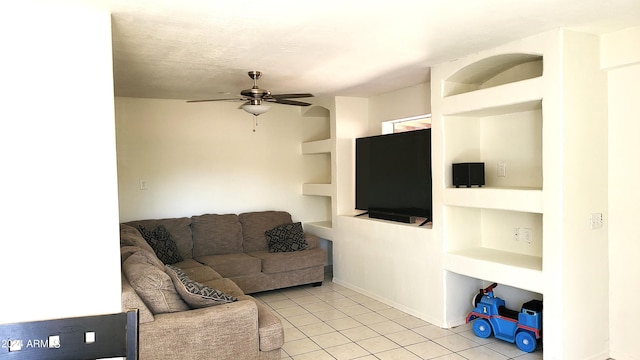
x=386, y=301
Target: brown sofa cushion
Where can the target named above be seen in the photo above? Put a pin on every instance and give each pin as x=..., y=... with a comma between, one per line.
x=254, y=225
x=152, y=284
x=180, y=231
x=312, y=241
x=194, y=293
x=201, y=273
x=230, y=265
x=149, y=256
x=187, y=264
x=287, y=261
x=130, y=236
x=225, y=285
x=216, y=234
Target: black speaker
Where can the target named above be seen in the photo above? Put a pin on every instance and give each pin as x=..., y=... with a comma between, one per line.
x=468, y=174
x=376, y=214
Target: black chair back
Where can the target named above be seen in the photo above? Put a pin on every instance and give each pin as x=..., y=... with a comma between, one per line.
x=78, y=338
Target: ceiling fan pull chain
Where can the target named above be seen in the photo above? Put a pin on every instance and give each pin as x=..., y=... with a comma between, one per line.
x=255, y=122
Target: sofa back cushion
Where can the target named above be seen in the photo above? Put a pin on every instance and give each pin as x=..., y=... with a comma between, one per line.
x=216, y=234
x=152, y=284
x=130, y=236
x=254, y=225
x=179, y=228
x=150, y=256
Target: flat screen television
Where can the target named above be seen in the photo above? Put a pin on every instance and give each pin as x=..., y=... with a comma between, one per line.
x=393, y=175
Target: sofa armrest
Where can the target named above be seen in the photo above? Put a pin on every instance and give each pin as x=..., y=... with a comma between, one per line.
x=312, y=240
x=227, y=331
x=131, y=300
x=270, y=327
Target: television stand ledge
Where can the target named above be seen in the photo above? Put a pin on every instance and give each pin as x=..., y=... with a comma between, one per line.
x=418, y=222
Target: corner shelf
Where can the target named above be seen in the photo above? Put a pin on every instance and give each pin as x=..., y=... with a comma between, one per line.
x=322, y=229
x=317, y=147
x=317, y=189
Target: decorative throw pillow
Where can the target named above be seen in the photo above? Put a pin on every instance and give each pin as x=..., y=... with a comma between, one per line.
x=162, y=244
x=194, y=293
x=286, y=238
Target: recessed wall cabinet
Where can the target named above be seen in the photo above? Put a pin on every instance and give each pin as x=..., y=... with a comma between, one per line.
x=318, y=149
x=534, y=111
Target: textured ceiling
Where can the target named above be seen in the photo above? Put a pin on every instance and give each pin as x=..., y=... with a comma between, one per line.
x=194, y=49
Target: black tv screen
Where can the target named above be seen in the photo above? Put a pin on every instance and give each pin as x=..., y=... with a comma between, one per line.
x=393, y=173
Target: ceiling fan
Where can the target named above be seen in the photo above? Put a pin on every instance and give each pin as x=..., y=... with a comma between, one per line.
x=255, y=97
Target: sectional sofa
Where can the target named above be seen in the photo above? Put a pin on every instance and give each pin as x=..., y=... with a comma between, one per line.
x=227, y=255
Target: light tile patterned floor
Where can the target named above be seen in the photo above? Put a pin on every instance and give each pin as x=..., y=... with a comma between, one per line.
x=334, y=322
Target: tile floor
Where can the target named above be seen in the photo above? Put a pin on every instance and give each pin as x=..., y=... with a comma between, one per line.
x=334, y=322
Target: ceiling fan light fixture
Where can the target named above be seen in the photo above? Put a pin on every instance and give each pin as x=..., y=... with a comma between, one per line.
x=255, y=109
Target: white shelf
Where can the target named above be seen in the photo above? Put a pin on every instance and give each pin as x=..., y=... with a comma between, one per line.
x=417, y=223
x=516, y=199
x=316, y=147
x=514, y=97
x=517, y=270
x=321, y=229
x=316, y=189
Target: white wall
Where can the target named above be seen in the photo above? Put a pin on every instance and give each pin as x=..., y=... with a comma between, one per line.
x=399, y=104
x=205, y=158
x=623, y=63
x=57, y=142
x=394, y=263
x=584, y=191
x=351, y=118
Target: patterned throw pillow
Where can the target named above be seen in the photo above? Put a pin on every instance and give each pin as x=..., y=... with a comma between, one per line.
x=195, y=294
x=286, y=238
x=162, y=244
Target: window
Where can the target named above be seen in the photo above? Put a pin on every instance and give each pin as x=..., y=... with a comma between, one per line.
x=407, y=124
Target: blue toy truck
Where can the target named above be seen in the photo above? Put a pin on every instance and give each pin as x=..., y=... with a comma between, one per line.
x=491, y=316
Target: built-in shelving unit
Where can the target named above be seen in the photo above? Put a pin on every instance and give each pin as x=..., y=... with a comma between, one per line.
x=318, y=149
x=493, y=115
x=534, y=112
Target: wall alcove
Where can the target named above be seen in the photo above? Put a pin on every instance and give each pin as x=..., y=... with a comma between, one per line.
x=317, y=147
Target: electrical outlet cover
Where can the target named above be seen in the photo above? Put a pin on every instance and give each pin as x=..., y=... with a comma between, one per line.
x=527, y=235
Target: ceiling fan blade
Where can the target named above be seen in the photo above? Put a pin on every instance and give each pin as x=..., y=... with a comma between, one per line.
x=291, y=96
x=205, y=100
x=289, y=102
x=256, y=96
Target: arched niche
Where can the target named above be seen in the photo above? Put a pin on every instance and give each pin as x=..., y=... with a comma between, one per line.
x=493, y=71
